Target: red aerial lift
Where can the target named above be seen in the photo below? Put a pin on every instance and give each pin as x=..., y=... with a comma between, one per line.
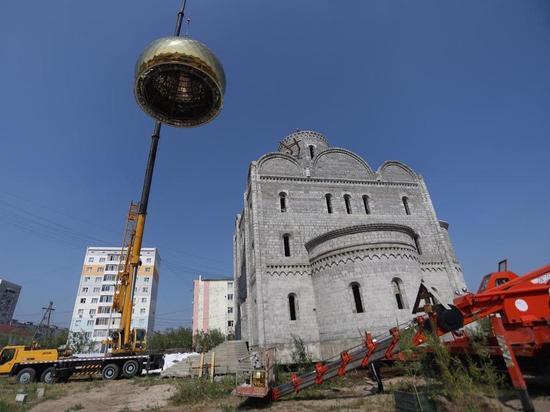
x=517, y=306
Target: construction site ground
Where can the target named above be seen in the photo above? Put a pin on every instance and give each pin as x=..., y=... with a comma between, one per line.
x=355, y=392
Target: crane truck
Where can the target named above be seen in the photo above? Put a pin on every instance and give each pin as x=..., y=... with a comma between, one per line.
x=128, y=354
x=519, y=311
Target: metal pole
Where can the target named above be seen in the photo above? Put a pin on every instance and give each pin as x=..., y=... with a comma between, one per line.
x=149, y=170
x=179, y=19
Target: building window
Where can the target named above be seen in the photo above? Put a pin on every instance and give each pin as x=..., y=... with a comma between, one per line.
x=417, y=244
x=356, y=290
x=80, y=312
x=400, y=298
x=405, y=200
x=90, y=322
x=142, y=311
x=230, y=296
x=94, y=300
x=366, y=204
x=143, y=300
x=98, y=279
x=230, y=323
x=147, y=269
x=292, y=306
x=106, y=298
x=282, y=201
x=112, y=258
x=92, y=312
x=100, y=332
x=230, y=309
x=104, y=309
x=145, y=290
x=84, y=290
x=109, y=278
x=106, y=288
x=96, y=290
x=148, y=260
x=146, y=279
x=101, y=259
x=90, y=260
x=100, y=268
x=89, y=269
x=102, y=321
x=286, y=244
x=82, y=300
x=229, y=284
x=328, y=199
x=86, y=279
x=347, y=201
x=111, y=267
x=311, y=151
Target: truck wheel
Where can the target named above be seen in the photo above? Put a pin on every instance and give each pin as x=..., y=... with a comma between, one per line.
x=26, y=376
x=130, y=368
x=47, y=376
x=110, y=371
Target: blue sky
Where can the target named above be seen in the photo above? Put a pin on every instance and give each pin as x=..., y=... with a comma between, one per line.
x=460, y=91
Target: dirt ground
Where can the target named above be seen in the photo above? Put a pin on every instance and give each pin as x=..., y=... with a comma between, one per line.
x=354, y=393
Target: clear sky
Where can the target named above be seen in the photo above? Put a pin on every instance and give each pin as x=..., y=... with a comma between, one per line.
x=458, y=90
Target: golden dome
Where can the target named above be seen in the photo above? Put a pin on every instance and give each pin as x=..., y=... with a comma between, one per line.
x=180, y=82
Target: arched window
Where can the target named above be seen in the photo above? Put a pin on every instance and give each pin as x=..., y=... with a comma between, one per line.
x=293, y=306
x=405, y=200
x=347, y=201
x=282, y=201
x=366, y=203
x=328, y=198
x=311, y=151
x=356, y=290
x=400, y=297
x=417, y=244
x=286, y=244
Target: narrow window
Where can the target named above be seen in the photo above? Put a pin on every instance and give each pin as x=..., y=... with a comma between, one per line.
x=282, y=201
x=366, y=204
x=357, y=297
x=328, y=198
x=405, y=200
x=286, y=244
x=399, y=295
x=311, y=152
x=347, y=200
x=417, y=244
x=292, y=306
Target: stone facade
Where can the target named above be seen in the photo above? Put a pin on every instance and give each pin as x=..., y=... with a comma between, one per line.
x=326, y=248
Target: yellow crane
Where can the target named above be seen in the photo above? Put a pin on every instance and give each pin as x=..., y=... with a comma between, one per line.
x=179, y=82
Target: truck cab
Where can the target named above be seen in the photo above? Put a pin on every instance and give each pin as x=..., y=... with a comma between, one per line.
x=495, y=279
x=26, y=362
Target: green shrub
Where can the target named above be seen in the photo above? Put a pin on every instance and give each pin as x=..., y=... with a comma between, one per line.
x=197, y=390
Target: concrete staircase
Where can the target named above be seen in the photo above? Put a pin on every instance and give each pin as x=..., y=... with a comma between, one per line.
x=227, y=358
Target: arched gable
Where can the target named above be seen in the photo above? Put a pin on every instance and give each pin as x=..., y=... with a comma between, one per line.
x=279, y=164
x=341, y=163
x=395, y=171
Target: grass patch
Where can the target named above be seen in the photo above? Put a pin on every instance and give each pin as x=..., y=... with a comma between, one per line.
x=190, y=391
x=8, y=390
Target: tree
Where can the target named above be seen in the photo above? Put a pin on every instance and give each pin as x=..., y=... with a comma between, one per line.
x=179, y=338
x=80, y=342
x=204, y=341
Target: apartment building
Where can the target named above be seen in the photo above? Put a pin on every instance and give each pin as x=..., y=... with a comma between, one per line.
x=213, y=305
x=93, y=312
x=9, y=294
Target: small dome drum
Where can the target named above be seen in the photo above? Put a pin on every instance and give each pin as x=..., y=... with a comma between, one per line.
x=180, y=82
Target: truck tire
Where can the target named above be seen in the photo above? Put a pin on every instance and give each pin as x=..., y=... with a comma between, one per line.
x=26, y=376
x=130, y=368
x=110, y=372
x=47, y=376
